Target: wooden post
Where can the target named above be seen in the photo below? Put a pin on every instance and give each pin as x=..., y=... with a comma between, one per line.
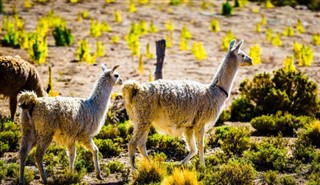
x=160, y=50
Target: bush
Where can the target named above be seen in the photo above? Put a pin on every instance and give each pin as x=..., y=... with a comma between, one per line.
x=67, y=178
x=62, y=36
x=181, y=177
x=226, y=8
x=84, y=160
x=285, y=91
x=233, y=172
x=224, y=116
x=170, y=146
x=270, y=177
x=108, y=148
x=115, y=166
x=286, y=124
x=232, y=140
x=149, y=172
x=270, y=153
x=9, y=136
x=287, y=180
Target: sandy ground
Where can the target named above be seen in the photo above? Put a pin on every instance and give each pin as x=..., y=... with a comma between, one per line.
x=77, y=79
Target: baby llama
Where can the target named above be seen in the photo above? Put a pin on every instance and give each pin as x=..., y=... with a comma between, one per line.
x=66, y=120
x=181, y=108
x=17, y=75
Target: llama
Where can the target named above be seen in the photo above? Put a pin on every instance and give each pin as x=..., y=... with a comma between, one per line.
x=180, y=108
x=66, y=120
x=18, y=75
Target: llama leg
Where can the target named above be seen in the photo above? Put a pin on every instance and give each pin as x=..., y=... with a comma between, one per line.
x=142, y=145
x=13, y=106
x=72, y=156
x=42, y=146
x=189, y=136
x=26, y=146
x=89, y=144
x=139, y=135
x=200, y=142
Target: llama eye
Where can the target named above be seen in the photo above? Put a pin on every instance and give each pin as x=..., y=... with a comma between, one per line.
x=116, y=75
x=243, y=56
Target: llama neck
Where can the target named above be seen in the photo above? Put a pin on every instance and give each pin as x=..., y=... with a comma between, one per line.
x=226, y=73
x=101, y=95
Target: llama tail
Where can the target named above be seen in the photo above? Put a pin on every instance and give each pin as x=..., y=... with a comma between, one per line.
x=26, y=101
x=129, y=90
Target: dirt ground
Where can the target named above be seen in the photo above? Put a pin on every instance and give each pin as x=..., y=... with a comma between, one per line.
x=77, y=79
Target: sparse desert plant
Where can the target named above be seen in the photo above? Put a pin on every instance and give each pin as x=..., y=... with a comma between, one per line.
x=267, y=4
x=175, y=2
x=286, y=91
x=181, y=177
x=62, y=35
x=227, y=8
x=108, y=148
x=276, y=40
x=38, y=48
x=288, y=64
x=226, y=40
x=52, y=92
x=299, y=26
x=115, y=166
x=85, y=14
x=117, y=16
x=235, y=171
x=149, y=55
x=143, y=27
x=303, y=54
x=263, y=20
x=255, y=53
x=83, y=51
x=271, y=177
x=140, y=66
x=99, y=49
x=132, y=8
x=12, y=32
x=169, y=26
x=168, y=41
x=153, y=28
x=185, y=33
x=184, y=44
x=316, y=39
x=258, y=27
x=198, y=51
x=269, y=33
x=270, y=153
x=132, y=39
x=115, y=39
x=214, y=25
x=289, y=32
x=67, y=178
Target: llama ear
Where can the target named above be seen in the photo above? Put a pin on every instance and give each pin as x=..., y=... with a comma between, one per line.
x=114, y=68
x=238, y=46
x=103, y=67
x=231, y=44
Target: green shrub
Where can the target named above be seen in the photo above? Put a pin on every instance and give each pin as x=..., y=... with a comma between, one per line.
x=12, y=171
x=9, y=136
x=286, y=124
x=84, y=160
x=285, y=91
x=270, y=153
x=170, y=146
x=115, y=166
x=232, y=140
x=233, y=172
x=3, y=170
x=38, y=48
x=68, y=178
x=224, y=116
x=1, y=7
x=226, y=8
x=270, y=177
x=62, y=36
x=108, y=148
x=287, y=180
x=314, y=172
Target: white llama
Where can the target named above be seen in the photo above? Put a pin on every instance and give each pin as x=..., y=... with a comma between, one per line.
x=181, y=107
x=66, y=120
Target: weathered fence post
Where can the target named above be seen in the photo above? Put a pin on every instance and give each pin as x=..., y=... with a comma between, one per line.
x=160, y=50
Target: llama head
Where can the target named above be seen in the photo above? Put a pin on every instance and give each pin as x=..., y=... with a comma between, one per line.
x=111, y=75
x=242, y=58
